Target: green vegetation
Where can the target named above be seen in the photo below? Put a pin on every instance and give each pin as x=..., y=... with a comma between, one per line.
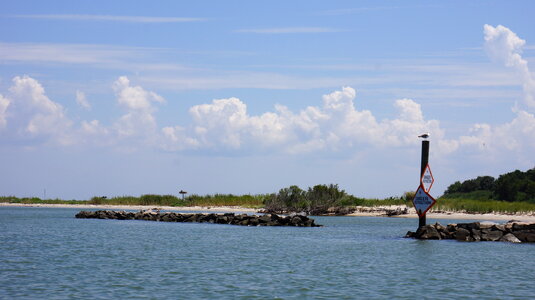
x=164, y=200
x=320, y=199
x=35, y=200
x=252, y=201
x=316, y=200
x=515, y=186
x=511, y=192
x=483, y=206
x=406, y=199
x=482, y=195
x=192, y=200
x=481, y=183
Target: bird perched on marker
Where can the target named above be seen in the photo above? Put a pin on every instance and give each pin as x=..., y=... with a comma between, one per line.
x=424, y=136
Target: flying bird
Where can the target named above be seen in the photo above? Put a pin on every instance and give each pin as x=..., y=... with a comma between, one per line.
x=424, y=136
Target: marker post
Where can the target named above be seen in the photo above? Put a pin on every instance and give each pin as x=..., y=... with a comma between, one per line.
x=425, y=160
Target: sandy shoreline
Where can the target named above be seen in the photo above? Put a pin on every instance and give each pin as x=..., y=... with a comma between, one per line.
x=381, y=210
x=372, y=212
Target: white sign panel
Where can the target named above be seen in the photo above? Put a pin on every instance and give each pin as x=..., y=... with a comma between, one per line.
x=427, y=179
x=422, y=201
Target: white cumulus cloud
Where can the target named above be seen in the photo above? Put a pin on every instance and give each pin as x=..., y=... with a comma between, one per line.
x=226, y=123
x=504, y=46
x=139, y=119
x=93, y=127
x=514, y=139
x=28, y=115
x=4, y=103
x=175, y=138
x=32, y=114
x=134, y=97
x=335, y=126
x=82, y=101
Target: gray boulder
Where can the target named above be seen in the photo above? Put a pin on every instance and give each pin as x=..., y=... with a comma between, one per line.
x=525, y=235
x=523, y=226
x=493, y=235
x=476, y=235
x=486, y=225
x=511, y=238
x=462, y=234
x=428, y=232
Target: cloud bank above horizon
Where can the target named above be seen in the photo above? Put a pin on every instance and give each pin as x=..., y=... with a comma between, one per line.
x=29, y=117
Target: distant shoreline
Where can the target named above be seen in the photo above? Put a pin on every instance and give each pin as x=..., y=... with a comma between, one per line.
x=137, y=207
x=364, y=212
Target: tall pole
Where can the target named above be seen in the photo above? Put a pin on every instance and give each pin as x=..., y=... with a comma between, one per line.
x=425, y=160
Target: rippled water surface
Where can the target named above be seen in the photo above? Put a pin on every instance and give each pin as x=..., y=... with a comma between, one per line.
x=47, y=253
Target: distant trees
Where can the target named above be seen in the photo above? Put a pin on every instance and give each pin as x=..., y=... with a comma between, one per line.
x=287, y=199
x=513, y=186
x=315, y=201
x=471, y=185
x=516, y=186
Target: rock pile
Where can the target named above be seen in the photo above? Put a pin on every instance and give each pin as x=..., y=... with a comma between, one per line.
x=512, y=231
x=228, y=218
x=388, y=211
x=396, y=212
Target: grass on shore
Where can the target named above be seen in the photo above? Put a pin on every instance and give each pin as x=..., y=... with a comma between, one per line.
x=482, y=206
x=249, y=201
x=480, y=201
x=36, y=200
x=161, y=200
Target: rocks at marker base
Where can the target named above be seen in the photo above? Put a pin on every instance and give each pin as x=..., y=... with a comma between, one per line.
x=228, y=218
x=512, y=231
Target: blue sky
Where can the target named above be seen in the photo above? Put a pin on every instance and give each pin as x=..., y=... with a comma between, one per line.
x=136, y=97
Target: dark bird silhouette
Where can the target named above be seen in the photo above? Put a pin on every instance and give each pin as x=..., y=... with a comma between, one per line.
x=424, y=136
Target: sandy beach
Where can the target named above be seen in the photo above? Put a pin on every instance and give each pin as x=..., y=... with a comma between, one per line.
x=379, y=211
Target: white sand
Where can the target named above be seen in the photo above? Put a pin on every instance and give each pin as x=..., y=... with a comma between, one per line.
x=381, y=210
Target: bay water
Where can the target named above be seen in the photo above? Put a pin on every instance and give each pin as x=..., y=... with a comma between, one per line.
x=46, y=253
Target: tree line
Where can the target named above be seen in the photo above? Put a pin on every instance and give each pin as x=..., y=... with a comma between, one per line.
x=316, y=200
x=516, y=186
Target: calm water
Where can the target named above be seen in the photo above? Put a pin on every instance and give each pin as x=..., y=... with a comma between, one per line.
x=46, y=253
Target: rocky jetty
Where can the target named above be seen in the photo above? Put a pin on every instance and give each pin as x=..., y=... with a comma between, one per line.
x=228, y=218
x=512, y=231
